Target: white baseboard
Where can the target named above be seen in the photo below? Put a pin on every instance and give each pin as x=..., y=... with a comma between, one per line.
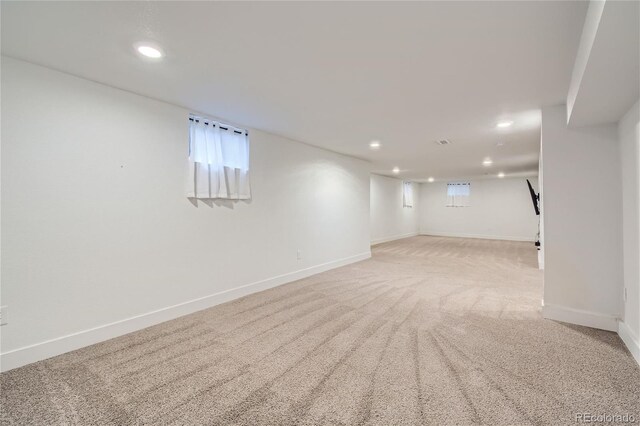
x=540, y=259
x=580, y=317
x=392, y=238
x=483, y=237
x=630, y=340
x=47, y=349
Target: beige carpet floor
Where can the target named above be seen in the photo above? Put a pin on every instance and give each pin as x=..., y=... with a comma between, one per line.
x=429, y=331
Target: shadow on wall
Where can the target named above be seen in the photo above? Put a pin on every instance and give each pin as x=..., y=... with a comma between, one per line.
x=230, y=204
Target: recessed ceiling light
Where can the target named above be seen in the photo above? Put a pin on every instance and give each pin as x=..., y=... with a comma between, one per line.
x=396, y=170
x=430, y=180
x=503, y=124
x=487, y=162
x=149, y=51
x=501, y=175
x=374, y=145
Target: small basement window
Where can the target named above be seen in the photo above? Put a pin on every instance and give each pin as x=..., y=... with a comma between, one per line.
x=407, y=194
x=458, y=194
x=218, y=161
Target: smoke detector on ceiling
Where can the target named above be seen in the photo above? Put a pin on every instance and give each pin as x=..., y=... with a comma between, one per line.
x=443, y=142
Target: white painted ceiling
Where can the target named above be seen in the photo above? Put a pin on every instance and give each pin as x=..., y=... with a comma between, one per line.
x=334, y=75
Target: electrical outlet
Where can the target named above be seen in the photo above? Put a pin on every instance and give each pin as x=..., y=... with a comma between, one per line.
x=299, y=254
x=3, y=315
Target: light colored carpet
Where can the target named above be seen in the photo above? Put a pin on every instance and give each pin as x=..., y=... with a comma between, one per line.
x=429, y=331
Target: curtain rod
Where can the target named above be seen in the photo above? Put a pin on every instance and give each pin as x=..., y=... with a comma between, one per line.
x=197, y=120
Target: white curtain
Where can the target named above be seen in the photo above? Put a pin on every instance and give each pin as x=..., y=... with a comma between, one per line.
x=407, y=194
x=218, y=161
x=458, y=194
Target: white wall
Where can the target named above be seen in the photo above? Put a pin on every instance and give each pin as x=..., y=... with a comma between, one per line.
x=389, y=219
x=582, y=223
x=541, y=204
x=588, y=37
x=629, y=134
x=500, y=209
x=96, y=228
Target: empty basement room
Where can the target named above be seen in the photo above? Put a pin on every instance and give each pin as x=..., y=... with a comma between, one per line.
x=320, y=213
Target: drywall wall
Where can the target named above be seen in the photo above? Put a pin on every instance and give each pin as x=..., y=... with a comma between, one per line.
x=499, y=209
x=98, y=237
x=629, y=135
x=541, y=205
x=599, y=92
x=588, y=37
x=582, y=222
x=389, y=219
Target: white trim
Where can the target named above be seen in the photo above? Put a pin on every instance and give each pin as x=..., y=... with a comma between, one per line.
x=580, y=317
x=483, y=237
x=540, y=260
x=43, y=350
x=393, y=238
x=629, y=339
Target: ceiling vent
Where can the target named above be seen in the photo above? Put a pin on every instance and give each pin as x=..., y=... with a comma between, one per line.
x=443, y=142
